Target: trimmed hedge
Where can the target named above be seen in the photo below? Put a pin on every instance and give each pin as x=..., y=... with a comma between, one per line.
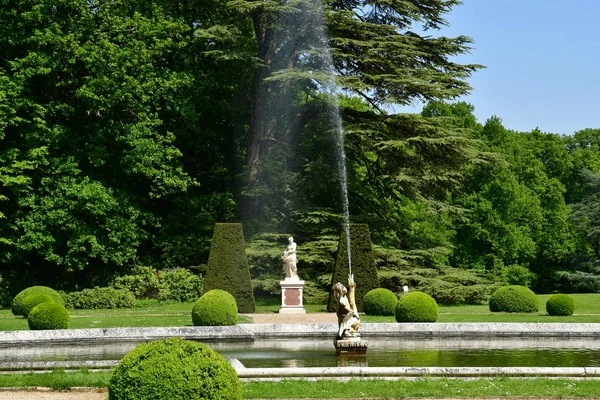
x=48, y=316
x=180, y=284
x=561, y=305
x=380, y=302
x=216, y=307
x=17, y=303
x=33, y=300
x=416, y=307
x=514, y=299
x=106, y=297
x=227, y=267
x=363, y=264
x=174, y=369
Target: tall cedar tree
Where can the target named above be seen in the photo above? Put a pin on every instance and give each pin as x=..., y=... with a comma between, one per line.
x=376, y=53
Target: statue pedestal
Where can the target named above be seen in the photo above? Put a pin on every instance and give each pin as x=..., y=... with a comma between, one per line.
x=291, y=296
x=350, y=345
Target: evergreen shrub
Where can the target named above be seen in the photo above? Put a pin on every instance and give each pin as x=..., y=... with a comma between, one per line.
x=380, y=302
x=514, y=299
x=100, y=298
x=141, y=281
x=227, y=267
x=179, y=284
x=174, y=369
x=215, y=307
x=33, y=300
x=363, y=264
x=48, y=316
x=416, y=307
x=17, y=303
x=561, y=305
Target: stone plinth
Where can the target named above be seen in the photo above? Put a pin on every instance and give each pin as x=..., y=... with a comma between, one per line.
x=350, y=345
x=291, y=296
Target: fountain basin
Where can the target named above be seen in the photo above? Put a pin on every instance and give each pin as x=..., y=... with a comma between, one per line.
x=306, y=351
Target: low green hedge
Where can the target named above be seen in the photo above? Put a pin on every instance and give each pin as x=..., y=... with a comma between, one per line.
x=380, y=302
x=48, y=316
x=33, y=300
x=174, y=369
x=17, y=303
x=215, y=307
x=416, y=307
x=514, y=299
x=96, y=298
x=561, y=305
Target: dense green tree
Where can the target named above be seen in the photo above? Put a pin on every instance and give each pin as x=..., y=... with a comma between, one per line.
x=86, y=149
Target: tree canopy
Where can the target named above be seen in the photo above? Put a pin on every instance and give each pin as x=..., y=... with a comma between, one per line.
x=129, y=128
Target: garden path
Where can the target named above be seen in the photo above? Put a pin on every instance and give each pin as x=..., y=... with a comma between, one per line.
x=312, y=318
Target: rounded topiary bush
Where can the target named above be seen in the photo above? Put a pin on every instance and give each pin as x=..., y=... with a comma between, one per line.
x=561, y=305
x=17, y=303
x=416, y=307
x=33, y=300
x=514, y=299
x=380, y=302
x=174, y=369
x=48, y=316
x=215, y=307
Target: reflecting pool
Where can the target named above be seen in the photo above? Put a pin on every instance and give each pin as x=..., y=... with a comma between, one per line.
x=396, y=352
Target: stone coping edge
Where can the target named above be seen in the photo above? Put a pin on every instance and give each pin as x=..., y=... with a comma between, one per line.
x=270, y=374
x=253, y=331
x=258, y=374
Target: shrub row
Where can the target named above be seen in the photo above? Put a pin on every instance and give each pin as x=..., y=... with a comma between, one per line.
x=178, y=284
x=96, y=298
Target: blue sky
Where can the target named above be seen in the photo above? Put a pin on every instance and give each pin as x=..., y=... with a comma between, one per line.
x=542, y=58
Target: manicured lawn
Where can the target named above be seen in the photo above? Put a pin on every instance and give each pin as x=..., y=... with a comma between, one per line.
x=153, y=313
x=587, y=309
x=373, y=389
x=149, y=313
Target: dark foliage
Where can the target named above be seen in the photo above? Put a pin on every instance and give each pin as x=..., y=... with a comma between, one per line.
x=227, y=267
x=363, y=264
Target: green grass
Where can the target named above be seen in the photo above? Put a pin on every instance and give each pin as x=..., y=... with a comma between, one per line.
x=149, y=313
x=324, y=389
x=57, y=380
x=153, y=313
x=587, y=309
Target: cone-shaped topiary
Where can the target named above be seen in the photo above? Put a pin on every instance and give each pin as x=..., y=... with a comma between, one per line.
x=227, y=267
x=560, y=305
x=17, y=303
x=33, y=300
x=174, y=369
x=416, y=307
x=215, y=307
x=380, y=302
x=363, y=264
x=514, y=299
x=48, y=316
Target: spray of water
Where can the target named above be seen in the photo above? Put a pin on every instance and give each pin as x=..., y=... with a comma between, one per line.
x=331, y=89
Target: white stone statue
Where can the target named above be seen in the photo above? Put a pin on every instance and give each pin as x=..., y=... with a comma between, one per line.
x=289, y=260
x=347, y=313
